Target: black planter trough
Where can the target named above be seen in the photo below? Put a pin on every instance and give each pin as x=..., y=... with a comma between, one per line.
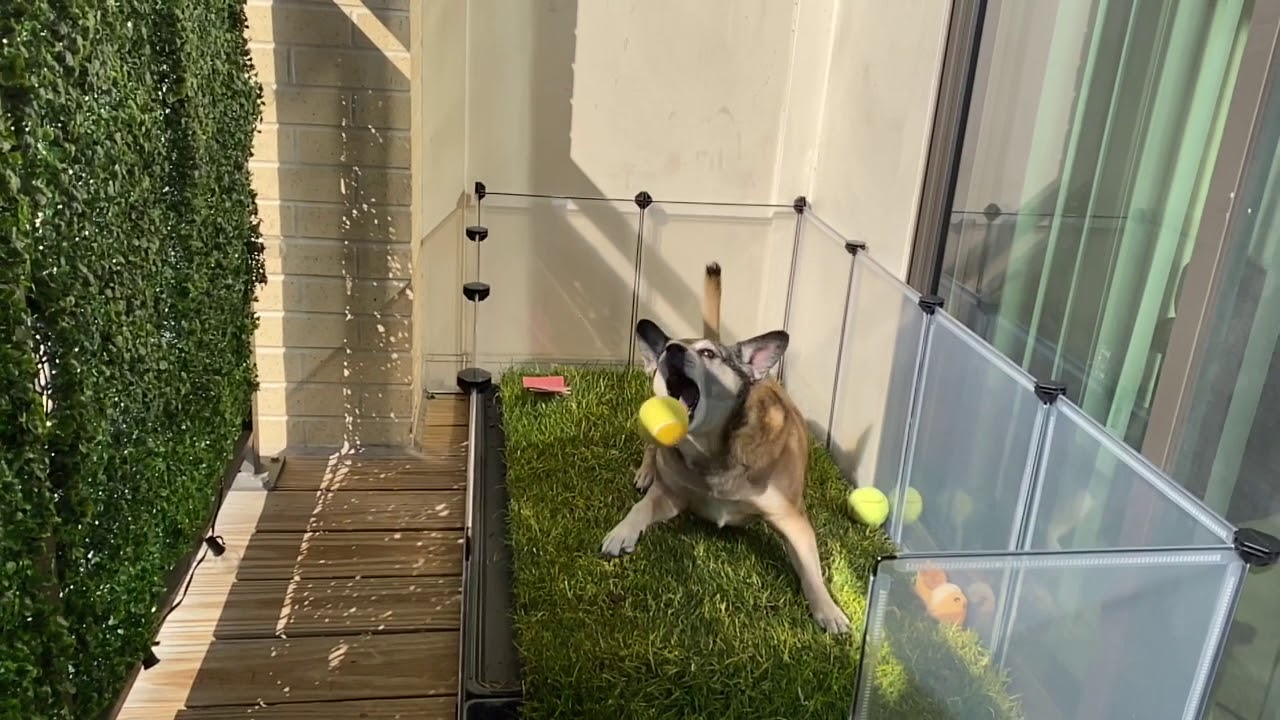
x=490, y=686
x=492, y=709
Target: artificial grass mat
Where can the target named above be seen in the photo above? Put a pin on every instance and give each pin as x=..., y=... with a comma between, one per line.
x=698, y=622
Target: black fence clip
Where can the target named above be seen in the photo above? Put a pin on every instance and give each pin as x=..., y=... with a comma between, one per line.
x=1256, y=548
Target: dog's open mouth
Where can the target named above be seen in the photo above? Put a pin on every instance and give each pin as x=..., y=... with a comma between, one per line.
x=684, y=389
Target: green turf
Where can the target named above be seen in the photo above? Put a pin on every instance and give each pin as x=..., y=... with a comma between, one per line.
x=698, y=622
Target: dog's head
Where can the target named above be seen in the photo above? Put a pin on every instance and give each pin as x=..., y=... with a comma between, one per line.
x=710, y=378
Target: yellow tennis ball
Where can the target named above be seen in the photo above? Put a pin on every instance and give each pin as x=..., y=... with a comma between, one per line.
x=914, y=506
x=868, y=505
x=665, y=419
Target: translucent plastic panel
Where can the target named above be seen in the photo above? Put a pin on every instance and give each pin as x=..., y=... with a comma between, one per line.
x=971, y=458
x=877, y=374
x=561, y=274
x=1138, y=638
x=753, y=246
x=815, y=316
x=1096, y=492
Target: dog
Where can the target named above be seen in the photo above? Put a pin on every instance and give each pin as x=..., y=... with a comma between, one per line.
x=746, y=452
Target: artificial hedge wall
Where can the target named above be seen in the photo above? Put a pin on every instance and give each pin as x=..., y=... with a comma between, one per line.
x=129, y=255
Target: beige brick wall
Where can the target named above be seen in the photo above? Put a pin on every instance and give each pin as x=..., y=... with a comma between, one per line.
x=331, y=166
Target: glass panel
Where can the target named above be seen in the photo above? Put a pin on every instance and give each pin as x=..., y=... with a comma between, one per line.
x=1109, y=651
x=1096, y=492
x=971, y=457
x=878, y=366
x=753, y=246
x=1092, y=134
x=561, y=274
x=972, y=285
x=816, y=313
x=1228, y=451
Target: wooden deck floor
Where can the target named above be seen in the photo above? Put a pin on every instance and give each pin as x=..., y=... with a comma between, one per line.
x=338, y=596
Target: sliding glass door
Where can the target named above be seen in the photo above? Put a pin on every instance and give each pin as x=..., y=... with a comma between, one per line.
x=1091, y=138
x=1112, y=220
x=1215, y=421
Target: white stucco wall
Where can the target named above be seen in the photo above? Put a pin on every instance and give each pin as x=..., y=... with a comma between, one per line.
x=874, y=137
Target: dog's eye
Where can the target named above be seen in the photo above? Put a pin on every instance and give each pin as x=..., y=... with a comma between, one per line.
x=707, y=353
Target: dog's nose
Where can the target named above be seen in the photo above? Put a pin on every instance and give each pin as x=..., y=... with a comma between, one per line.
x=674, y=358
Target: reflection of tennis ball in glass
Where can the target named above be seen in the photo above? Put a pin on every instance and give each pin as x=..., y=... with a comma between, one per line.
x=665, y=419
x=914, y=505
x=868, y=505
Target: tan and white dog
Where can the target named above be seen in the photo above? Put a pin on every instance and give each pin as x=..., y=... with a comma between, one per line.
x=746, y=453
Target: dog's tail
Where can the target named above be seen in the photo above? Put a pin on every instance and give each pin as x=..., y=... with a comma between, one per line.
x=711, y=303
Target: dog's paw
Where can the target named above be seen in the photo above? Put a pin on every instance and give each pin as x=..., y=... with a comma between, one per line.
x=832, y=619
x=620, y=541
x=644, y=478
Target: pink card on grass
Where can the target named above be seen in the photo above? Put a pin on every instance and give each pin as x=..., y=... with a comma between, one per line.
x=547, y=384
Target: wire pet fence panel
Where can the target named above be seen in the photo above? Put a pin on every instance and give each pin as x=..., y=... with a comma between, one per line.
x=560, y=276
x=753, y=247
x=993, y=459
x=567, y=278
x=1115, y=497
x=1008, y=472
x=1139, y=638
x=971, y=448
x=816, y=308
x=879, y=361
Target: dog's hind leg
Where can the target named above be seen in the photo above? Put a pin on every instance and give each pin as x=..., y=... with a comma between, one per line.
x=802, y=550
x=648, y=468
x=656, y=506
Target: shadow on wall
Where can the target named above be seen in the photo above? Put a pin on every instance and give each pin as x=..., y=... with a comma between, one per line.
x=345, y=300
x=563, y=274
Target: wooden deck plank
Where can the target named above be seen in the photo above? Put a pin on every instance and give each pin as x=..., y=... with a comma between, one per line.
x=381, y=463
x=338, y=597
x=319, y=669
x=434, y=708
x=312, y=556
x=320, y=474
x=281, y=608
x=445, y=440
x=299, y=510
x=447, y=410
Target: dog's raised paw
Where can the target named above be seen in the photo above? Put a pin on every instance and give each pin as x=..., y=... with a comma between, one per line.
x=644, y=478
x=620, y=541
x=832, y=620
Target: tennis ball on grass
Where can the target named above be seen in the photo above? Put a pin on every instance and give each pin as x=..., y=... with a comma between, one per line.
x=868, y=505
x=665, y=419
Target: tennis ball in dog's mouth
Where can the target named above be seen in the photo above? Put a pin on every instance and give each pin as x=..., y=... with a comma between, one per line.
x=868, y=505
x=665, y=419
x=914, y=506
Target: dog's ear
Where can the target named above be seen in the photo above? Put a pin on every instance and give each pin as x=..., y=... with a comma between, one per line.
x=651, y=342
x=760, y=353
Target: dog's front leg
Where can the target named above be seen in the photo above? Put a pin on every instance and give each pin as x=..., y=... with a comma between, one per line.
x=648, y=468
x=656, y=506
x=802, y=550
